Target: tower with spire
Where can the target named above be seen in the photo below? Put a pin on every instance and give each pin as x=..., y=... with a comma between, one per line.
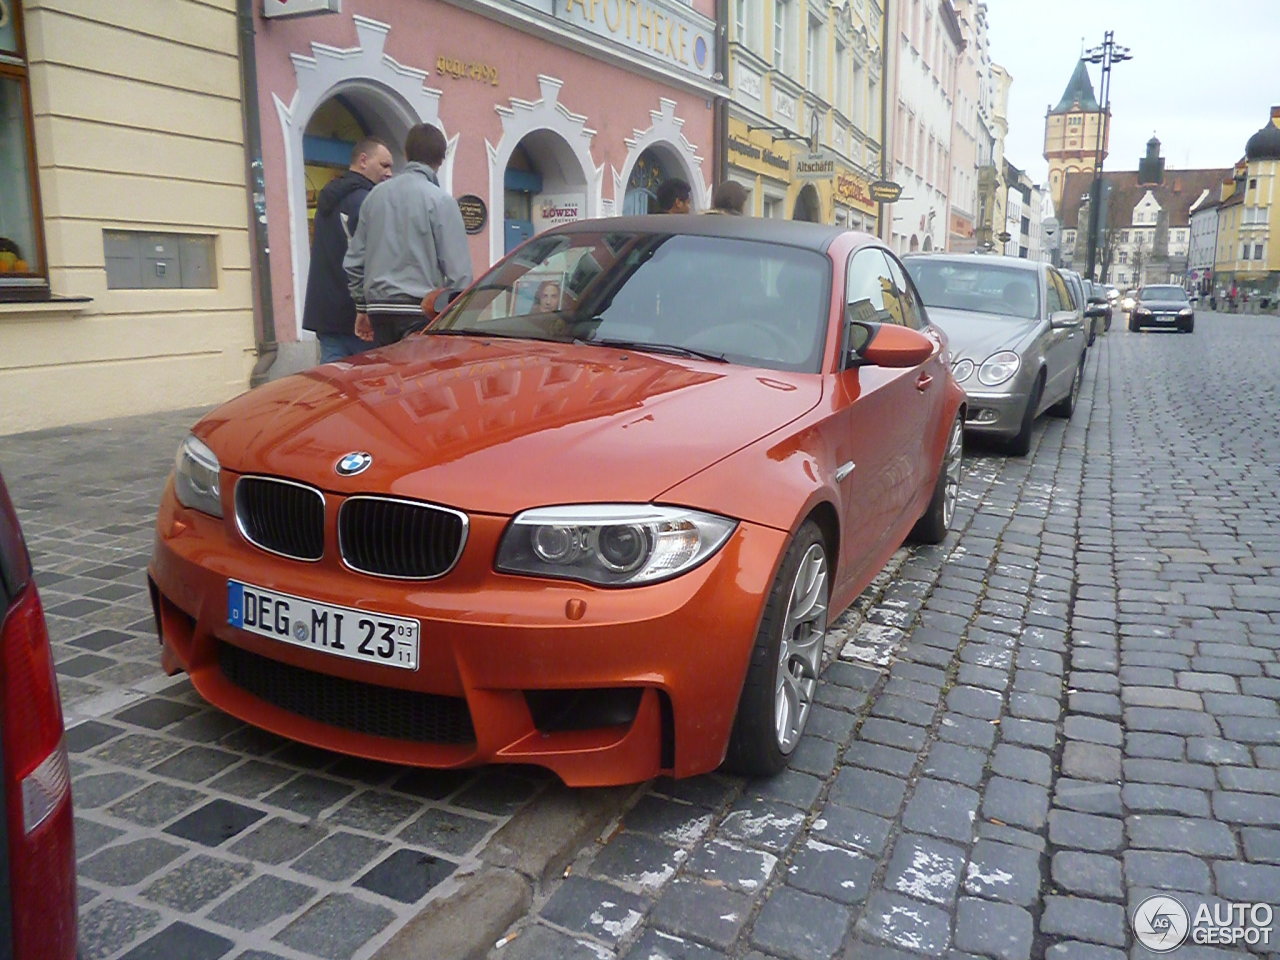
x=1071, y=132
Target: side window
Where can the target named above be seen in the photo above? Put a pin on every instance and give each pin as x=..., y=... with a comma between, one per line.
x=1059, y=299
x=912, y=312
x=868, y=288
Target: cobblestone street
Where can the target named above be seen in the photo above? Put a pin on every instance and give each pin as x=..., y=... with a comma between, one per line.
x=1069, y=705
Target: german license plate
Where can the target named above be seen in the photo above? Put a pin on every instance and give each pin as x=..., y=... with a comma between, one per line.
x=341, y=631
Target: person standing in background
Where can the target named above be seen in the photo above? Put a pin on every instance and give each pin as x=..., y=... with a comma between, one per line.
x=675, y=196
x=328, y=310
x=730, y=198
x=410, y=241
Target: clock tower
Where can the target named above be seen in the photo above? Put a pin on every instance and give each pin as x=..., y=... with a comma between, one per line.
x=1072, y=131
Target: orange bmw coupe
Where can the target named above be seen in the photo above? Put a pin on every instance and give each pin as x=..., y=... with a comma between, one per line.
x=596, y=516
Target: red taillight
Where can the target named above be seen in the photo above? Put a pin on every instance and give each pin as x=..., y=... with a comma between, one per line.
x=37, y=786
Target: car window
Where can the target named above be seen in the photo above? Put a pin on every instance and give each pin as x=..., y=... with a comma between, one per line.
x=750, y=302
x=1059, y=297
x=868, y=288
x=1162, y=292
x=977, y=284
x=912, y=313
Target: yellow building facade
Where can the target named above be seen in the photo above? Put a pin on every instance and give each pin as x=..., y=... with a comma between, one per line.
x=1248, y=251
x=805, y=118
x=131, y=211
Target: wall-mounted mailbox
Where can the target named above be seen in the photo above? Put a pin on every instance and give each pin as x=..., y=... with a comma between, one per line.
x=158, y=261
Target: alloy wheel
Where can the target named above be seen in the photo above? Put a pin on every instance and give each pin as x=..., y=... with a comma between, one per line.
x=953, y=474
x=800, y=653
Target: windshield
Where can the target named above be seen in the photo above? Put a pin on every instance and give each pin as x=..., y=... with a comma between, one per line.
x=741, y=301
x=1169, y=292
x=981, y=286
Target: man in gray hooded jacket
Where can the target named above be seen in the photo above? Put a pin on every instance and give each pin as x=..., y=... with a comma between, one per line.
x=410, y=240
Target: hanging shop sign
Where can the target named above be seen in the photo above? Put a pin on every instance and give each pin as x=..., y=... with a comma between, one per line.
x=280, y=9
x=885, y=191
x=474, y=212
x=816, y=165
x=854, y=191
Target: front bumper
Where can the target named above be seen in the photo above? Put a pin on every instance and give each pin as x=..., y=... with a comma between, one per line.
x=1169, y=320
x=994, y=413
x=531, y=665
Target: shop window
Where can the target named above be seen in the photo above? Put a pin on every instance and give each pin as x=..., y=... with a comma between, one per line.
x=24, y=275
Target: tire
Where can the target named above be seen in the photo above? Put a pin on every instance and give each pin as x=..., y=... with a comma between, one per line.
x=1106, y=327
x=1020, y=443
x=1093, y=331
x=1067, y=405
x=782, y=677
x=1190, y=327
x=1133, y=325
x=933, y=526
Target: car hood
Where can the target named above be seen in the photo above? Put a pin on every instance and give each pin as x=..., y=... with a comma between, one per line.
x=498, y=426
x=976, y=336
x=1162, y=304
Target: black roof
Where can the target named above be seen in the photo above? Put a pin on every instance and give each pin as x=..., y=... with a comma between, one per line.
x=796, y=233
x=1079, y=91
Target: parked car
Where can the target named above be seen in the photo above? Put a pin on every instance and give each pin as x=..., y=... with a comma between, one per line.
x=1018, y=342
x=1162, y=305
x=1126, y=301
x=37, y=844
x=1079, y=298
x=1097, y=307
x=605, y=538
x=1113, y=295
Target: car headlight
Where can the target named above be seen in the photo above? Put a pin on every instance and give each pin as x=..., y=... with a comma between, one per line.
x=195, y=477
x=998, y=368
x=962, y=370
x=611, y=544
x=1185, y=312
x=1143, y=310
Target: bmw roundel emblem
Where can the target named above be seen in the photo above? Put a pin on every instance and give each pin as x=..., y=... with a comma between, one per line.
x=355, y=462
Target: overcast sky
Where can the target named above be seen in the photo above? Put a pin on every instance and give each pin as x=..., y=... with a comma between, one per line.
x=1203, y=78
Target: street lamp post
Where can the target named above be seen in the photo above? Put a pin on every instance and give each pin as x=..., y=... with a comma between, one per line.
x=1107, y=53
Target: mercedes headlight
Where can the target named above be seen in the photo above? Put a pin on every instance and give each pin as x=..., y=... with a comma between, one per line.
x=611, y=544
x=998, y=368
x=195, y=477
x=1185, y=312
x=962, y=370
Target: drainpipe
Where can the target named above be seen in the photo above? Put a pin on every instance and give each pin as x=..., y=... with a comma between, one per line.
x=264, y=315
x=720, y=116
x=885, y=34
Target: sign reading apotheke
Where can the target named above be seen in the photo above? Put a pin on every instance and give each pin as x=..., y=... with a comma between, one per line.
x=550, y=209
x=664, y=29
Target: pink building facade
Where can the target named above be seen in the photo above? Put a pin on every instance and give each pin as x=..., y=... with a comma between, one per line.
x=552, y=113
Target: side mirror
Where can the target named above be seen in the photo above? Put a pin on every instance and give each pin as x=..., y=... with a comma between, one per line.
x=1098, y=299
x=436, y=300
x=887, y=345
x=1064, y=320
x=1097, y=310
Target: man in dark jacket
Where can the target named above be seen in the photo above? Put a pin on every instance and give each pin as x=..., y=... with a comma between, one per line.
x=328, y=310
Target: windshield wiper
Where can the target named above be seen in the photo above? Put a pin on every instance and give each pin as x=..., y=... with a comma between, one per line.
x=644, y=347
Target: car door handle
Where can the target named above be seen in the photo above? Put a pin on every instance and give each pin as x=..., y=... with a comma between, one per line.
x=923, y=381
